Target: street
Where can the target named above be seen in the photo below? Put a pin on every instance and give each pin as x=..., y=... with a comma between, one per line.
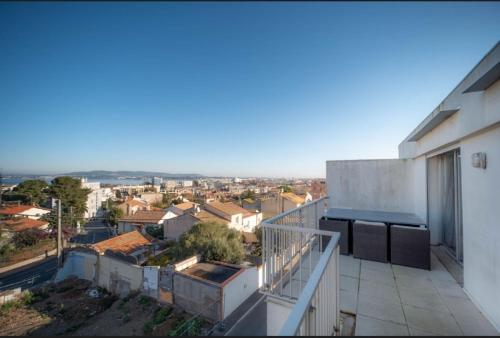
x=25, y=277
x=30, y=275
x=96, y=230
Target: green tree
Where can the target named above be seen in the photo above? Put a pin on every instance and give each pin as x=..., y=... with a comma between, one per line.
x=248, y=194
x=34, y=190
x=73, y=197
x=257, y=251
x=165, y=202
x=286, y=188
x=213, y=241
x=114, y=213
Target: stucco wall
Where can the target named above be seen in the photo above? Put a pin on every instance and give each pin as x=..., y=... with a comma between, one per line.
x=277, y=314
x=79, y=264
x=239, y=289
x=196, y=296
x=173, y=228
x=481, y=223
x=371, y=184
x=118, y=277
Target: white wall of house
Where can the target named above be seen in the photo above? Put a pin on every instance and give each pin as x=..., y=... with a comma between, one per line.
x=34, y=213
x=239, y=289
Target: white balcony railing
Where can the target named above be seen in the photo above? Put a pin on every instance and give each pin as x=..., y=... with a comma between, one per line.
x=301, y=266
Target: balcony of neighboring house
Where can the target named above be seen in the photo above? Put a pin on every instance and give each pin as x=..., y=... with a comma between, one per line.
x=310, y=288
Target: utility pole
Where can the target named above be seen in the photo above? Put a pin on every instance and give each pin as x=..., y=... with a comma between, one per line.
x=59, y=234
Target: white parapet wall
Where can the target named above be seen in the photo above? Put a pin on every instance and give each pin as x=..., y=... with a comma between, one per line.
x=278, y=312
x=238, y=289
x=385, y=185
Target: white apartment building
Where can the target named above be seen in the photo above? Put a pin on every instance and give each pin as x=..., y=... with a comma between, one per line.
x=96, y=197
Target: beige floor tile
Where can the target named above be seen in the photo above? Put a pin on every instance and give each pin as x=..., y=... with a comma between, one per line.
x=349, y=283
x=437, y=322
x=366, y=326
x=349, y=266
x=380, y=308
x=348, y=301
x=449, y=288
x=384, y=267
x=427, y=299
x=378, y=276
x=417, y=332
x=468, y=317
x=380, y=290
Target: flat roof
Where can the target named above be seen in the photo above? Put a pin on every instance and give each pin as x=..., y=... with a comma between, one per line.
x=213, y=272
x=431, y=122
x=438, y=115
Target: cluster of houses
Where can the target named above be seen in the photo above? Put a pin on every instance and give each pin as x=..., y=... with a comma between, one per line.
x=17, y=218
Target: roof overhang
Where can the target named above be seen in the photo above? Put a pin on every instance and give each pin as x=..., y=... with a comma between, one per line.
x=431, y=123
x=485, y=81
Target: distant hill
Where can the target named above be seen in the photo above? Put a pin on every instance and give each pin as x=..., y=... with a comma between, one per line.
x=130, y=174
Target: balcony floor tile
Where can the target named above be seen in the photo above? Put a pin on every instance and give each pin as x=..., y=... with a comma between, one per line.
x=366, y=326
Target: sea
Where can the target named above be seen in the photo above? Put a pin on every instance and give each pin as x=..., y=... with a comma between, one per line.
x=9, y=180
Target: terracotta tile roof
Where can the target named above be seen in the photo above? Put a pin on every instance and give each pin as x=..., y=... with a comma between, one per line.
x=206, y=216
x=126, y=243
x=24, y=223
x=17, y=209
x=293, y=198
x=134, y=202
x=145, y=216
x=184, y=206
x=229, y=208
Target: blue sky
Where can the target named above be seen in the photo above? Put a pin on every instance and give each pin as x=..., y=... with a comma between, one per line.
x=239, y=89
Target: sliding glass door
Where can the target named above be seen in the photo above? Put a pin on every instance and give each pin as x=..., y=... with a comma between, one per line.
x=445, y=202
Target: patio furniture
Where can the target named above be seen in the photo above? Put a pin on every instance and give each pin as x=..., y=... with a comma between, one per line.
x=410, y=246
x=343, y=227
x=370, y=241
x=389, y=217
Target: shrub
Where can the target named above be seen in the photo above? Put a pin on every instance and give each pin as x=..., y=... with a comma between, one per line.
x=28, y=238
x=161, y=315
x=213, y=241
x=144, y=300
x=6, y=250
x=148, y=328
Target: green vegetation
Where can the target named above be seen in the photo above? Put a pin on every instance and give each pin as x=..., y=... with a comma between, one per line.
x=257, y=251
x=156, y=232
x=167, y=200
x=28, y=238
x=5, y=251
x=26, y=298
x=73, y=197
x=190, y=327
x=33, y=191
x=114, y=213
x=286, y=188
x=248, y=194
x=159, y=317
x=213, y=241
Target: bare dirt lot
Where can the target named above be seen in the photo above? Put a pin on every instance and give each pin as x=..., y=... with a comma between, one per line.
x=68, y=308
